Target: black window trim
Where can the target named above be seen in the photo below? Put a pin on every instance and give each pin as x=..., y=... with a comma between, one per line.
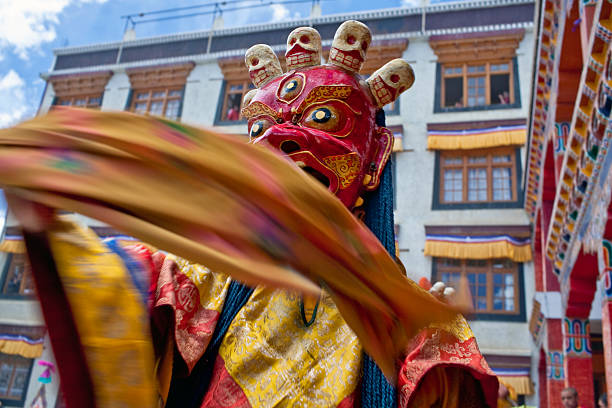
x=7, y=402
x=438, y=108
x=518, y=317
x=5, y=272
x=436, y=204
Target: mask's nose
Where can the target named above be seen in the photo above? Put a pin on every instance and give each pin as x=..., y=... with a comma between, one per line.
x=289, y=138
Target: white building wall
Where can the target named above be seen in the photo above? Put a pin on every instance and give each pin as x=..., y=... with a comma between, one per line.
x=414, y=181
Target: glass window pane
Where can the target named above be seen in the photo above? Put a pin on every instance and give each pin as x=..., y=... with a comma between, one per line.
x=156, y=108
x=80, y=102
x=476, y=68
x=505, y=158
x=19, y=381
x=172, y=109
x=502, y=184
x=142, y=95
x=174, y=93
x=159, y=94
x=236, y=87
x=65, y=102
x=477, y=159
x=453, y=160
x=95, y=101
x=477, y=184
x=15, y=276
x=140, y=107
x=453, y=70
x=453, y=185
x=6, y=371
x=499, y=67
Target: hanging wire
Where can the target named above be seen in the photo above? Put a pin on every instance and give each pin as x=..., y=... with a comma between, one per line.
x=214, y=8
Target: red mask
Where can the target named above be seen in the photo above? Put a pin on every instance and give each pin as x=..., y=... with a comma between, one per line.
x=323, y=118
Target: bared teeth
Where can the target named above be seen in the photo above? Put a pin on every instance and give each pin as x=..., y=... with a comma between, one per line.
x=383, y=94
x=344, y=59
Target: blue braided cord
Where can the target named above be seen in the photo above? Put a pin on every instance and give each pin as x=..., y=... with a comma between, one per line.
x=376, y=392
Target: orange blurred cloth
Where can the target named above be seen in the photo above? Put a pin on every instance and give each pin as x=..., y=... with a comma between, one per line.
x=237, y=208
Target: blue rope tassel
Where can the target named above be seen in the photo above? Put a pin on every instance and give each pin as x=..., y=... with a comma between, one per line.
x=376, y=392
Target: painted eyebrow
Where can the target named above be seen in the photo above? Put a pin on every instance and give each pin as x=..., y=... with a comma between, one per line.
x=324, y=93
x=258, y=108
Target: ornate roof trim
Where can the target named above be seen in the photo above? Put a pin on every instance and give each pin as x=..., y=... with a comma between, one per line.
x=374, y=14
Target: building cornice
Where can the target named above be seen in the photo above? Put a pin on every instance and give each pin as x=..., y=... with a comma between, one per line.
x=199, y=58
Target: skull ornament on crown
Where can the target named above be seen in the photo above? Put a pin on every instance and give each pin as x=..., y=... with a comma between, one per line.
x=263, y=64
x=323, y=117
x=303, y=48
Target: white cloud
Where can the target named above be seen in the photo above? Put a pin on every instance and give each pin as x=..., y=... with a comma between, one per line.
x=279, y=12
x=414, y=3
x=13, y=102
x=26, y=24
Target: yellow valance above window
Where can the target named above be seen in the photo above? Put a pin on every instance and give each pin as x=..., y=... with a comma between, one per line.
x=21, y=347
x=517, y=385
x=13, y=245
x=480, y=247
x=476, y=138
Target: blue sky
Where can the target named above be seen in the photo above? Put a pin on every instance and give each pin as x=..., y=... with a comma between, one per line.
x=31, y=29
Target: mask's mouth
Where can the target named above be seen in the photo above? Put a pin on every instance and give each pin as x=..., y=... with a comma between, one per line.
x=322, y=178
x=312, y=166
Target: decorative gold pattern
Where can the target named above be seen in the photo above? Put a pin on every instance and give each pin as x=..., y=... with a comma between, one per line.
x=279, y=362
x=458, y=328
x=324, y=93
x=345, y=166
x=258, y=108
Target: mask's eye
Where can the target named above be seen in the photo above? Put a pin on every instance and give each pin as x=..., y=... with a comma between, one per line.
x=329, y=118
x=322, y=115
x=258, y=127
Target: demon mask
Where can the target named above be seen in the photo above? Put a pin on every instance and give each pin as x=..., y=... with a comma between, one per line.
x=323, y=117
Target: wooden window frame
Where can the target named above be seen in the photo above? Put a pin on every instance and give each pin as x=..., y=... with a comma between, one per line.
x=486, y=74
x=16, y=361
x=150, y=99
x=489, y=313
x=11, y=263
x=224, y=100
x=61, y=101
x=489, y=165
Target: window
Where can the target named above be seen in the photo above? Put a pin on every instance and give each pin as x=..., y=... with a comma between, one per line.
x=18, y=280
x=477, y=70
x=14, y=376
x=470, y=85
x=82, y=101
x=161, y=101
x=478, y=176
x=81, y=90
x=232, y=99
x=494, y=283
x=159, y=90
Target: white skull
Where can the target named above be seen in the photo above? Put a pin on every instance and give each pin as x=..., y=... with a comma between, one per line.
x=303, y=48
x=263, y=64
x=390, y=80
x=350, y=44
